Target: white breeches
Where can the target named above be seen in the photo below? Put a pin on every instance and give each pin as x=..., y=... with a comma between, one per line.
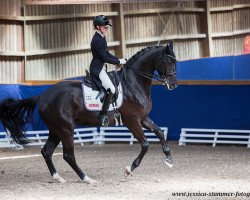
x=106, y=82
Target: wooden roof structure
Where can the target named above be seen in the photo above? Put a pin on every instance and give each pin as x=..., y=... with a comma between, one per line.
x=45, y=40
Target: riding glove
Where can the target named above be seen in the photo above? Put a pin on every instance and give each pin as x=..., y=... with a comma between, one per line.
x=123, y=61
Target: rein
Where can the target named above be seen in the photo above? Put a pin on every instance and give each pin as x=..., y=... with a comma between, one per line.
x=160, y=78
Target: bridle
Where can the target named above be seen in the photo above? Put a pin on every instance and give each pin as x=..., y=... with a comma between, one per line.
x=160, y=78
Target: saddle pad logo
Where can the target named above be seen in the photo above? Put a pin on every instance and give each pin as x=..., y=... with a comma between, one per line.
x=93, y=104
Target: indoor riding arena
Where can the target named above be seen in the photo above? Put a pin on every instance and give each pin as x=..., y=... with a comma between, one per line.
x=178, y=99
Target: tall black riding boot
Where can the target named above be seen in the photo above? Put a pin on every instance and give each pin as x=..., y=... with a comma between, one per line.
x=103, y=119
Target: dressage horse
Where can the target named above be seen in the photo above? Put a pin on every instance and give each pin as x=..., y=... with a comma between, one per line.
x=61, y=108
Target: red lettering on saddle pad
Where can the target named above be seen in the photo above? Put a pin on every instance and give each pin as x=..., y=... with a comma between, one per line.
x=94, y=105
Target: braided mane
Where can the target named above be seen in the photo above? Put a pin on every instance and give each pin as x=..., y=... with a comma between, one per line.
x=140, y=53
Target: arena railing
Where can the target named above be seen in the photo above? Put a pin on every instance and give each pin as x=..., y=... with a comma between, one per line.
x=83, y=135
x=214, y=136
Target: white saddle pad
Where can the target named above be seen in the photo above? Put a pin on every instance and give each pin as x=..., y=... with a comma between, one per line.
x=93, y=104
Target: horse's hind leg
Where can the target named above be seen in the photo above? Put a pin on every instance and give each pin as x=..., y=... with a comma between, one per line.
x=69, y=155
x=47, y=152
x=150, y=125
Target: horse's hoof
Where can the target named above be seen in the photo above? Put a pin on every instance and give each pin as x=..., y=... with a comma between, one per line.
x=89, y=180
x=58, y=178
x=127, y=171
x=169, y=162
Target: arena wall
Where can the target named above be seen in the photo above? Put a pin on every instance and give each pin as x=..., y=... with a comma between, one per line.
x=201, y=106
x=188, y=106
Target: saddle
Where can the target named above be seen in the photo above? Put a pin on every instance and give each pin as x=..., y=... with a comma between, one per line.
x=115, y=79
x=94, y=96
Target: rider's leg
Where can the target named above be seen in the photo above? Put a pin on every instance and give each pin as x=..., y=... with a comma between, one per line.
x=108, y=85
x=106, y=82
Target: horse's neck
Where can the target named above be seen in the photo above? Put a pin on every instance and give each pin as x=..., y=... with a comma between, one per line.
x=137, y=87
x=144, y=64
x=134, y=79
x=136, y=84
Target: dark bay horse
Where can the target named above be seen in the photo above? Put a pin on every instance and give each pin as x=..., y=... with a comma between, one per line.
x=61, y=108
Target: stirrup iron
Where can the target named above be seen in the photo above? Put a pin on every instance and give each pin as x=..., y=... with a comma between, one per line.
x=104, y=120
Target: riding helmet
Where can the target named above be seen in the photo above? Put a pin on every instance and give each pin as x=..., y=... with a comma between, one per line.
x=101, y=20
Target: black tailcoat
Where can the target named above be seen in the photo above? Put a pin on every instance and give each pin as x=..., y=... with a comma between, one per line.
x=101, y=55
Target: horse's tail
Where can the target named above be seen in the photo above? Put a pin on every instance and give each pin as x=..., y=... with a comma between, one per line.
x=15, y=114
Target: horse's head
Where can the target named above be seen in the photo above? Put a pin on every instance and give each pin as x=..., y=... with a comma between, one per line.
x=167, y=68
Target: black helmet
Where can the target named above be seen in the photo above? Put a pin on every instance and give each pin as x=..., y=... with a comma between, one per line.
x=101, y=20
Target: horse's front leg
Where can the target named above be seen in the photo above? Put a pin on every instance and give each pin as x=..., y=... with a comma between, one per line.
x=138, y=133
x=150, y=125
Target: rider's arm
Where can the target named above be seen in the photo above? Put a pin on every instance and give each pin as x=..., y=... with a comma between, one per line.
x=111, y=55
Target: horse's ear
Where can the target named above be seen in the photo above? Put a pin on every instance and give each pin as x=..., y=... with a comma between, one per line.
x=170, y=49
x=170, y=45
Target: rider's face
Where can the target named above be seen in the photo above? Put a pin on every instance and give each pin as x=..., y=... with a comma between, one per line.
x=103, y=29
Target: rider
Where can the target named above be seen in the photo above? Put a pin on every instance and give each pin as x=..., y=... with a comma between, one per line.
x=101, y=55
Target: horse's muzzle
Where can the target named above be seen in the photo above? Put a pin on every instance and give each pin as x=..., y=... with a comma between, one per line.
x=171, y=83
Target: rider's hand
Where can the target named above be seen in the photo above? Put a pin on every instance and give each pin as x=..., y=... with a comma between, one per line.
x=122, y=61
